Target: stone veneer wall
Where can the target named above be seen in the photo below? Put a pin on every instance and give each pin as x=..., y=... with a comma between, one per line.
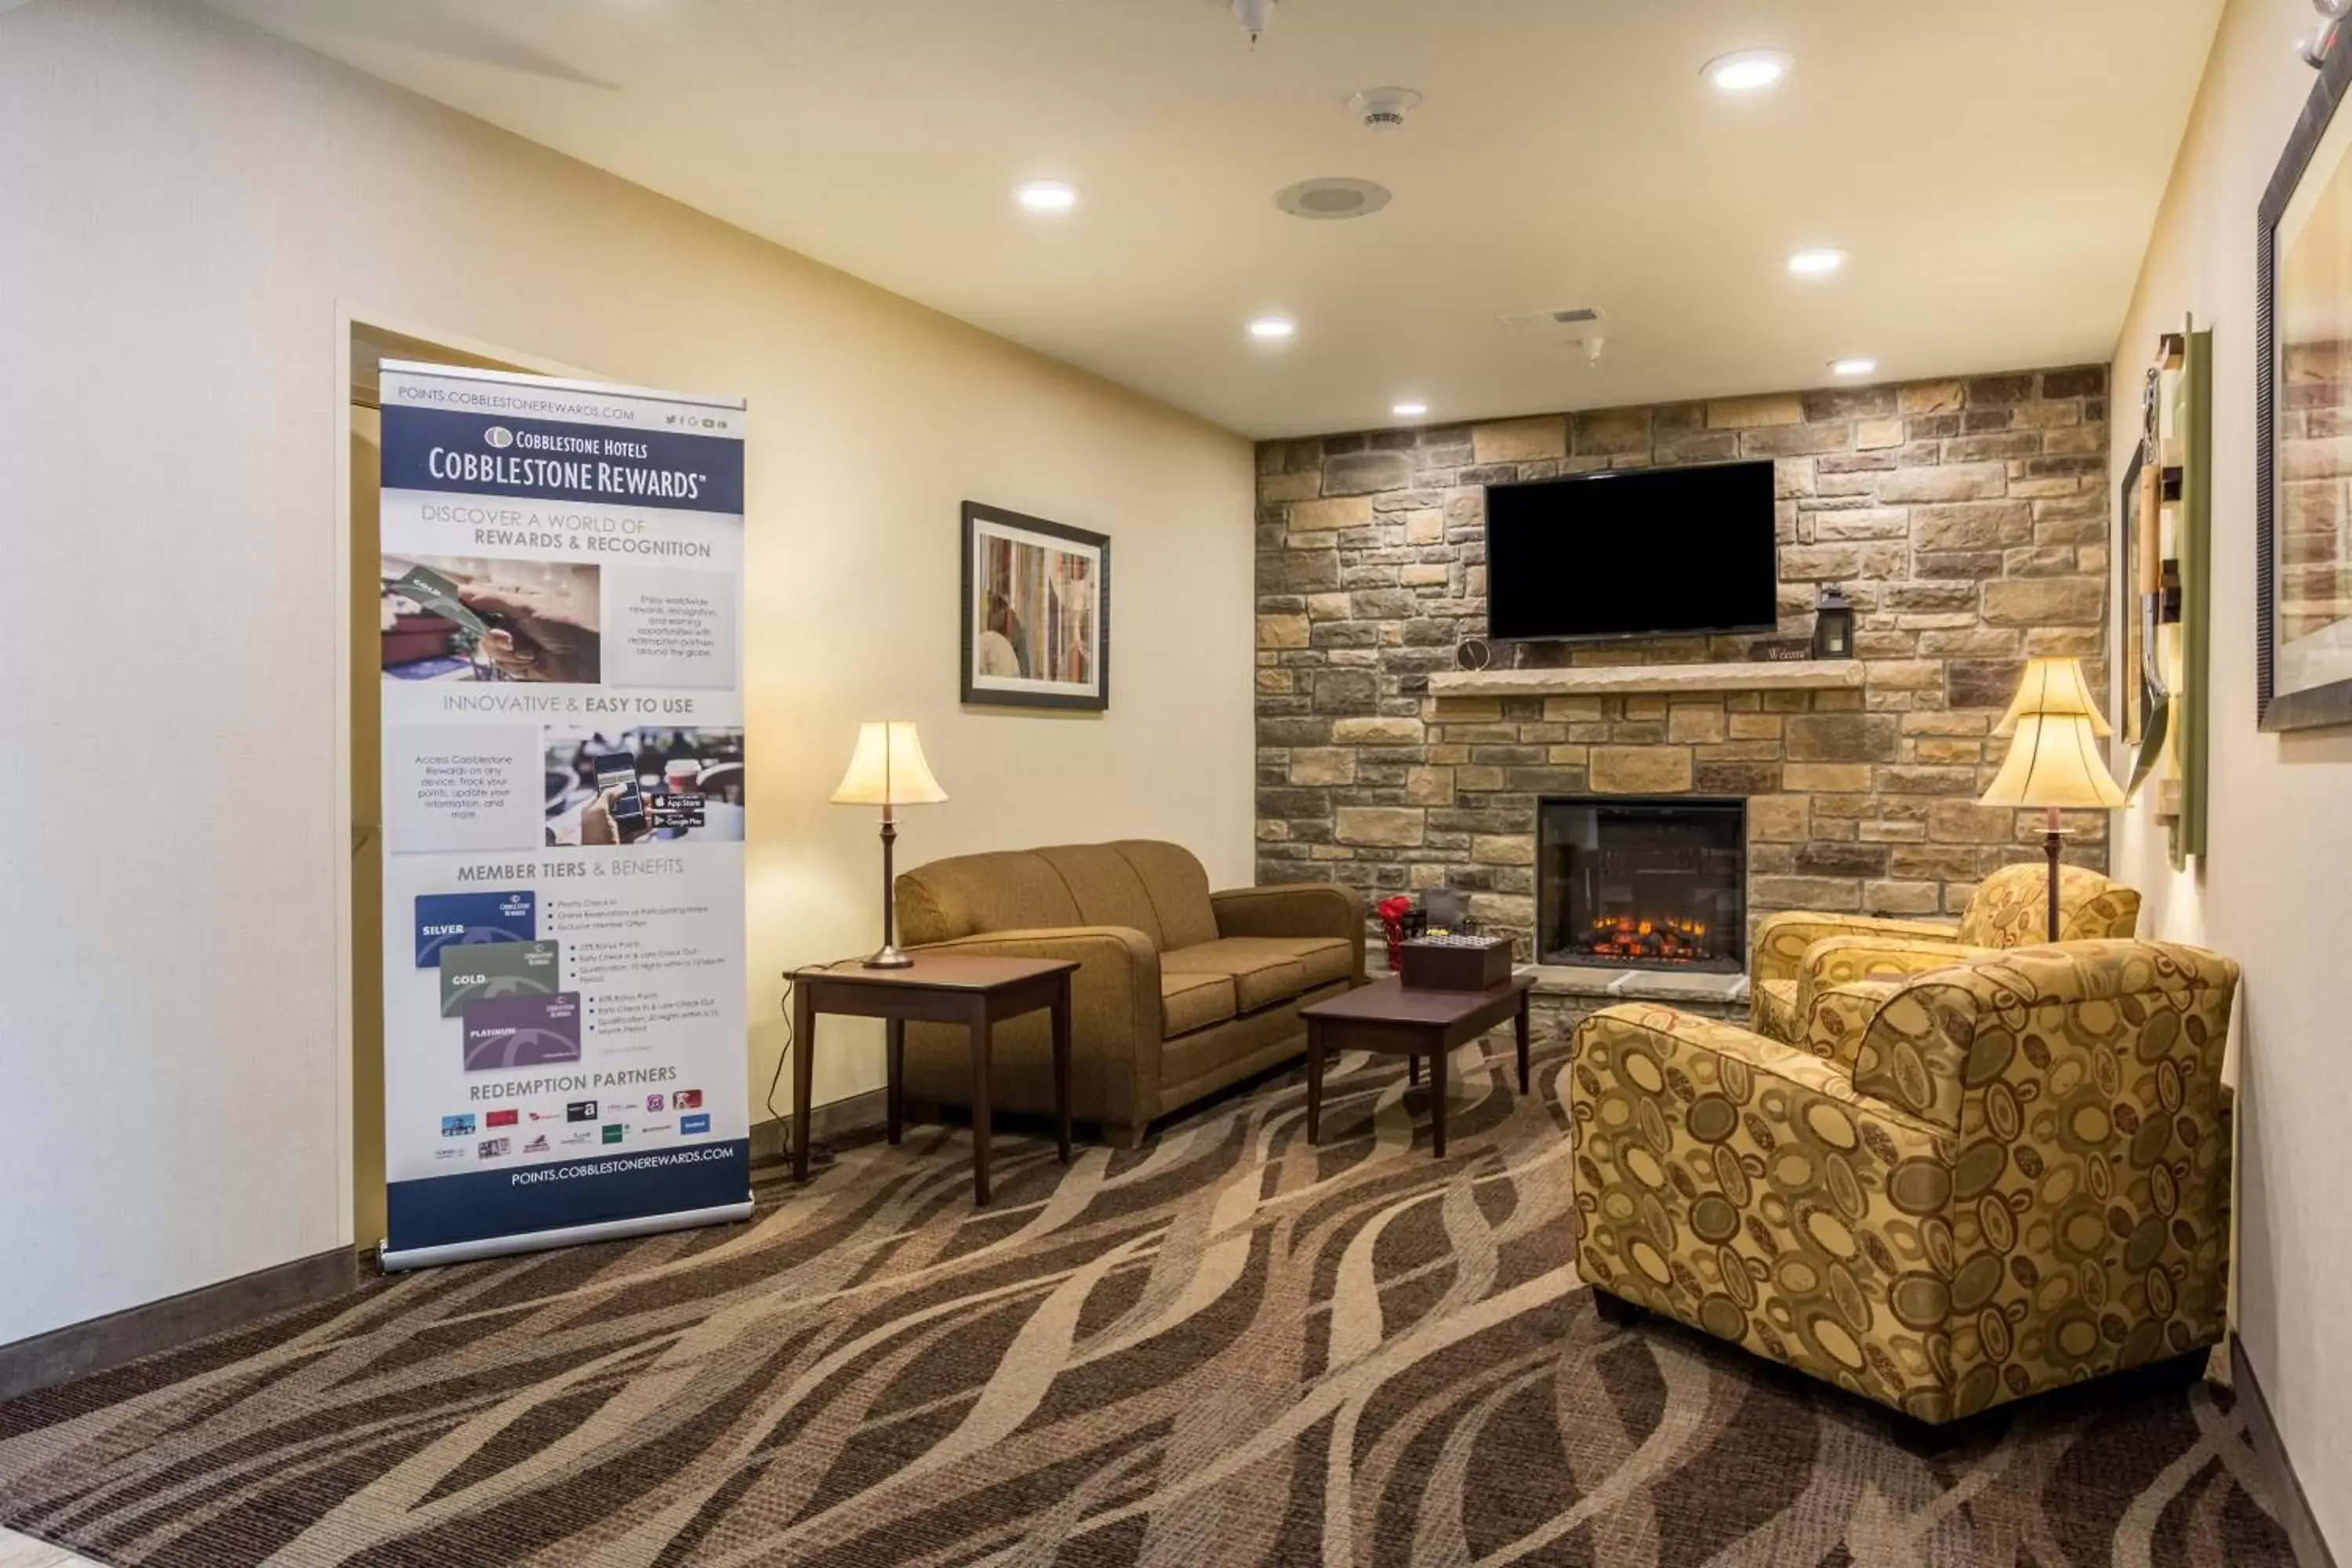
x=1968, y=519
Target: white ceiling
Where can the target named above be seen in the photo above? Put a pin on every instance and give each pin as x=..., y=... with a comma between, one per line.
x=1992, y=166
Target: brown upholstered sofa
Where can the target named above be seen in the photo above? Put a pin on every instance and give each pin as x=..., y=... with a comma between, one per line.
x=1179, y=991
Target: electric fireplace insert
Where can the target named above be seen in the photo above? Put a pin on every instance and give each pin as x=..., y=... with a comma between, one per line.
x=1642, y=884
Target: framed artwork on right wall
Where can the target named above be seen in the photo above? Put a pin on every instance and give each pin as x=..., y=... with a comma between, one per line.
x=2303, y=412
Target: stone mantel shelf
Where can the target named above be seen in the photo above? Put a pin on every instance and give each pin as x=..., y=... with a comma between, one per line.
x=1722, y=675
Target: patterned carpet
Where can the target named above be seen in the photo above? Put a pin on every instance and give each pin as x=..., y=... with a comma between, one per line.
x=1224, y=1348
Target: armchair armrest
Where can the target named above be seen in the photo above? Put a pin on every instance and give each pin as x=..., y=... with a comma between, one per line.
x=1114, y=1000
x=1781, y=940
x=1294, y=909
x=1832, y=1019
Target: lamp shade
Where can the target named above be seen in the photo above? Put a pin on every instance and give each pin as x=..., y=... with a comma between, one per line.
x=888, y=769
x=2055, y=687
x=2054, y=760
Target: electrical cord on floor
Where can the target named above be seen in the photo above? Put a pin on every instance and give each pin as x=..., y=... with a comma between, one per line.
x=819, y=1154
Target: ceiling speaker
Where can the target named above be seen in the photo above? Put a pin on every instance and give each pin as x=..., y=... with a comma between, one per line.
x=1331, y=198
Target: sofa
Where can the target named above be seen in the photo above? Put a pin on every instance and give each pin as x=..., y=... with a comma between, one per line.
x=1958, y=1187
x=2009, y=908
x=1179, y=991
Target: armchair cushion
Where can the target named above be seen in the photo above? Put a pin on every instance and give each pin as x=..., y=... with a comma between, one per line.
x=2011, y=907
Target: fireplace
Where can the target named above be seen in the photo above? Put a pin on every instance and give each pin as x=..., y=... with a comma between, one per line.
x=1642, y=884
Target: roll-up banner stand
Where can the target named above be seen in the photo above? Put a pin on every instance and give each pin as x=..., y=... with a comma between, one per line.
x=563, y=985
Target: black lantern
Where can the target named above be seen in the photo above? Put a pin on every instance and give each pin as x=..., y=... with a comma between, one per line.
x=1832, y=624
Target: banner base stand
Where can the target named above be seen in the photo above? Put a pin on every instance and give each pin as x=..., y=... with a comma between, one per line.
x=391, y=1262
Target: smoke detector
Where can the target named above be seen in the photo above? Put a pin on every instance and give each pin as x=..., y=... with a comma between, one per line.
x=1331, y=196
x=1384, y=107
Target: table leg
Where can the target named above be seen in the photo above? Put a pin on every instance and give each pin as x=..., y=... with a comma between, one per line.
x=980, y=1115
x=804, y=1074
x=1062, y=1066
x=1411, y=1071
x=895, y=1067
x=1314, y=1080
x=1519, y=1029
x=1437, y=1099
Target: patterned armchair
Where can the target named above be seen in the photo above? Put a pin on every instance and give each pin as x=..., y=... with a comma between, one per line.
x=1962, y=1185
x=2010, y=909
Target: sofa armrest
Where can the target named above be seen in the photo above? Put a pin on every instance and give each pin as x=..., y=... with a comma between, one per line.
x=1114, y=1000
x=1295, y=908
x=1781, y=940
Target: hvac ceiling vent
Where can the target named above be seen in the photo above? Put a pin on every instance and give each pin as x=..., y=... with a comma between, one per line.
x=1575, y=321
x=1332, y=197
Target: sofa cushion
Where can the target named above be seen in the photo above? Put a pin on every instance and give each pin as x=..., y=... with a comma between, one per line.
x=1179, y=889
x=1321, y=959
x=1193, y=999
x=1105, y=888
x=1266, y=970
x=1011, y=890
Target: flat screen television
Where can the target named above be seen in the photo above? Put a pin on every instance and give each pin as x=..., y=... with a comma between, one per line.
x=1634, y=552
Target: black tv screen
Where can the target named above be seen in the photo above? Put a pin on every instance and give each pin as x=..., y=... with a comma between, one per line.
x=1636, y=550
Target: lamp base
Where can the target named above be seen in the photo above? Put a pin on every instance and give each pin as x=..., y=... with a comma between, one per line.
x=889, y=957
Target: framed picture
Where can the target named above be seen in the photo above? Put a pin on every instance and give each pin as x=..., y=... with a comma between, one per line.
x=2131, y=683
x=2303, y=412
x=1037, y=612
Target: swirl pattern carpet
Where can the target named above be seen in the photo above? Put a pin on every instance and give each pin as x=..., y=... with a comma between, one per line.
x=1224, y=1348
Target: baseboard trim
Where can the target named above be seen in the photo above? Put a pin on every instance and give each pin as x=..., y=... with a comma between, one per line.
x=79, y=1349
x=2286, y=1488
x=835, y=1119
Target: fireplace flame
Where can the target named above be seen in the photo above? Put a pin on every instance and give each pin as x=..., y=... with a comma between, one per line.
x=1654, y=940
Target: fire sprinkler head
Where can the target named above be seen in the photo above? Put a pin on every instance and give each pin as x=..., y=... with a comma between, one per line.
x=1254, y=15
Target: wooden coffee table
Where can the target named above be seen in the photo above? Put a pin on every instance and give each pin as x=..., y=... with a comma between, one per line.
x=1388, y=1017
x=937, y=988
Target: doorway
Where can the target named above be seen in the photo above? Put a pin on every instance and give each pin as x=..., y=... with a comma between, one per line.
x=370, y=347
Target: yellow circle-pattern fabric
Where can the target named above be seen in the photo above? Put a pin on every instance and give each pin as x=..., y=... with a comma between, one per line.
x=2021, y=1183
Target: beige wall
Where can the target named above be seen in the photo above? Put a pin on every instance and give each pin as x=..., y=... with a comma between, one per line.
x=185, y=205
x=2275, y=890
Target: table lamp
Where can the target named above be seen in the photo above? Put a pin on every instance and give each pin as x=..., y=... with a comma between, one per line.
x=2054, y=759
x=887, y=770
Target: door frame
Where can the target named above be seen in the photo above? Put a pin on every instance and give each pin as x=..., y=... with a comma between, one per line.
x=350, y=318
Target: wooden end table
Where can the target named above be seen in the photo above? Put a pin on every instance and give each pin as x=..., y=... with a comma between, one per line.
x=1388, y=1016
x=938, y=988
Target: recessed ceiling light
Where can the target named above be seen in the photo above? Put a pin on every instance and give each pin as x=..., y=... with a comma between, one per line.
x=1046, y=195
x=1410, y=410
x=1817, y=262
x=1748, y=70
x=1856, y=367
x=1273, y=329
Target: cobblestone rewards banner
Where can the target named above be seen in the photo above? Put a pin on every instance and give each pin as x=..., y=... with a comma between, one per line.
x=561, y=600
